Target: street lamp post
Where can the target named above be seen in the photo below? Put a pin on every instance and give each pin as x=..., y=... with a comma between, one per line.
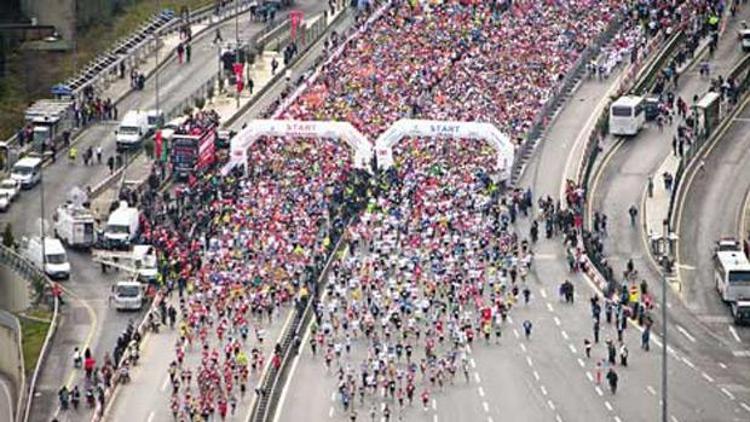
x=156, y=65
x=664, y=247
x=237, y=47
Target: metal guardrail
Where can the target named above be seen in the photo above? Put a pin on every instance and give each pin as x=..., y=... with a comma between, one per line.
x=740, y=72
x=31, y=273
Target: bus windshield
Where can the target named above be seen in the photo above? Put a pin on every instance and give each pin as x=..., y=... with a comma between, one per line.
x=739, y=276
x=622, y=111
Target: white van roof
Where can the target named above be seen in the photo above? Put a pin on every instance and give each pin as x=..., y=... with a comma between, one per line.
x=123, y=215
x=28, y=162
x=53, y=246
x=133, y=117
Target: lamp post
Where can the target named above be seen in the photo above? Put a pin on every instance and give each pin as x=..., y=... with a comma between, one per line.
x=156, y=65
x=664, y=250
x=237, y=47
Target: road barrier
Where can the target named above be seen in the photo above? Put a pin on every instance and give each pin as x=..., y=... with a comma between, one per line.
x=27, y=270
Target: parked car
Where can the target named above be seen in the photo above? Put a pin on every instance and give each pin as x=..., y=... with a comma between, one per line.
x=11, y=187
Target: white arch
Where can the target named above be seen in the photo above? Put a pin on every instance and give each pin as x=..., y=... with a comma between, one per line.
x=446, y=129
x=312, y=129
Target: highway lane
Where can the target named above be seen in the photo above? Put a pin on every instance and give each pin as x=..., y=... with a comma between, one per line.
x=89, y=320
x=622, y=184
x=712, y=208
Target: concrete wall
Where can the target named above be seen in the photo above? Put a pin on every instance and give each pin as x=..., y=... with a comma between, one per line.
x=11, y=360
x=15, y=292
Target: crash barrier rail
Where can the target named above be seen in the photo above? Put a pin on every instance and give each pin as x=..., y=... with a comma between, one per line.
x=32, y=274
x=647, y=76
x=636, y=81
x=558, y=98
x=11, y=322
x=740, y=73
x=273, y=381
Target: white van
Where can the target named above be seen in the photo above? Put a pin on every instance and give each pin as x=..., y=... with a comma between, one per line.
x=133, y=127
x=74, y=225
x=154, y=119
x=27, y=171
x=127, y=295
x=122, y=227
x=55, y=264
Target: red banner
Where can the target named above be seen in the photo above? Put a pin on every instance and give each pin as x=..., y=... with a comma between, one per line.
x=157, y=144
x=295, y=19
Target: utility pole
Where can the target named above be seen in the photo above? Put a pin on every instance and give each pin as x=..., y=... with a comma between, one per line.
x=665, y=266
x=237, y=46
x=156, y=68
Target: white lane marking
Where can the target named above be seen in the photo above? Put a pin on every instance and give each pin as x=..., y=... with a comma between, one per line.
x=651, y=390
x=564, y=334
x=476, y=377
x=434, y=404
x=551, y=405
x=515, y=333
x=722, y=365
x=473, y=363
x=550, y=308
x=544, y=389
x=581, y=363
x=536, y=375
x=333, y=396
x=558, y=418
x=510, y=319
x=674, y=418
x=480, y=390
x=728, y=393
x=557, y=321
x=528, y=360
x=572, y=349
x=151, y=416
x=599, y=391
x=707, y=377
x=617, y=419
x=9, y=397
x=165, y=384
x=543, y=292
x=685, y=333
x=468, y=348
x=734, y=334
x=330, y=412
x=589, y=376
x=688, y=363
x=489, y=419
x=657, y=342
x=608, y=406
x=523, y=347
x=434, y=417
x=486, y=407
x=745, y=406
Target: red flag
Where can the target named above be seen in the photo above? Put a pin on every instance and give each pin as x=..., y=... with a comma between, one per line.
x=157, y=144
x=295, y=18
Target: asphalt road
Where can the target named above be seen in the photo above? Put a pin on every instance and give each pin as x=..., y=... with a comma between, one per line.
x=703, y=340
x=86, y=318
x=713, y=208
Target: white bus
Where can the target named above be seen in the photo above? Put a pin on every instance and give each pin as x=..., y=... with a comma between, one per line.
x=732, y=275
x=627, y=116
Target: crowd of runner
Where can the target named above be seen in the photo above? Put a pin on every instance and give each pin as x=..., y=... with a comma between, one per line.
x=410, y=292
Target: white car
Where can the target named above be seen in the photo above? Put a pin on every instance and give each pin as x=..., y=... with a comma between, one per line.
x=11, y=187
x=4, y=201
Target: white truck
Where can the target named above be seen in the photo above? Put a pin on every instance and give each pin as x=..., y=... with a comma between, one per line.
x=133, y=128
x=74, y=225
x=732, y=278
x=123, y=227
x=51, y=259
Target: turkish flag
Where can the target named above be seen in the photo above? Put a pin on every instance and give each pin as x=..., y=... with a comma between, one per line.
x=295, y=18
x=158, y=144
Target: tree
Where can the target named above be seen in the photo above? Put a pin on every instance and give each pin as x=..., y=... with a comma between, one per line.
x=8, y=239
